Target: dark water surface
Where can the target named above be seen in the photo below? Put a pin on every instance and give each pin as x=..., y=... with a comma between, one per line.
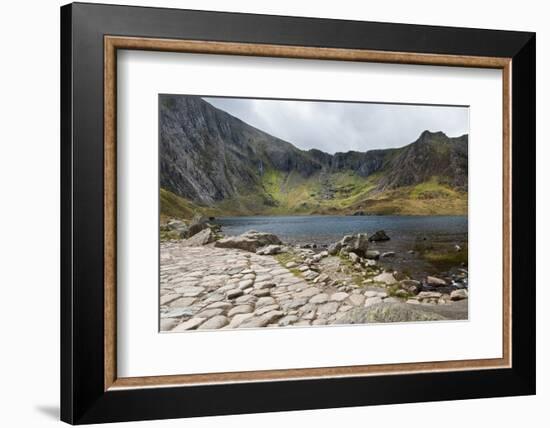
x=407, y=233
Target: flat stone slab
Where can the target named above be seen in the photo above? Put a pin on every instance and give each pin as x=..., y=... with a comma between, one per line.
x=339, y=297
x=214, y=323
x=211, y=288
x=189, y=325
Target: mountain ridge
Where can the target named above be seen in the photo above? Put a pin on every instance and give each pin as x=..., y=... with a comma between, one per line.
x=219, y=162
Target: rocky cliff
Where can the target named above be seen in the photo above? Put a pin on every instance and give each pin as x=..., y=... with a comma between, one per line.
x=213, y=159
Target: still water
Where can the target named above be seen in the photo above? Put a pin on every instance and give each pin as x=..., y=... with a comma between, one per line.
x=407, y=233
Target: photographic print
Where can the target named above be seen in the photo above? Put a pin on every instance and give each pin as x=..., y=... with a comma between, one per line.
x=300, y=213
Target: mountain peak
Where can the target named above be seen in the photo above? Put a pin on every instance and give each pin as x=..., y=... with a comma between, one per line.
x=427, y=134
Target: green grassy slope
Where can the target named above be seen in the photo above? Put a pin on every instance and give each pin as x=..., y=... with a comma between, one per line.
x=174, y=206
x=337, y=193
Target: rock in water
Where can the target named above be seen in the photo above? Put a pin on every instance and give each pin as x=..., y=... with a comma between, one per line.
x=388, y=312
x=379, y=235
x=372, y=255
x=358, y=244
x=249, y=241
x=203, y=237
x=435, y=281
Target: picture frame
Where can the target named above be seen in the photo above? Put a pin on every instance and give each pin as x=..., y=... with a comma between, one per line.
x=91, y=390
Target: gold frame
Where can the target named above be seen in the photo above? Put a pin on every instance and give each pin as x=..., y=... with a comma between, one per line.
x=113, y=43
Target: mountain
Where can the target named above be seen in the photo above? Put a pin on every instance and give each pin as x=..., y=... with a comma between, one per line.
x=218, y=163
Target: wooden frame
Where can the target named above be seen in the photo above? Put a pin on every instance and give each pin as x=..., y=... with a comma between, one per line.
x=113, y=43
x=504, y=55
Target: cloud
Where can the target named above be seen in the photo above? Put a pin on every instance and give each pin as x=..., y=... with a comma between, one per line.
x=340, y=127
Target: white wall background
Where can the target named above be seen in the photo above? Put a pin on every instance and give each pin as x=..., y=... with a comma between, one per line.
x=29, y=226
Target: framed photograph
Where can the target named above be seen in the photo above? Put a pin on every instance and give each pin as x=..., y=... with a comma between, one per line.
x=265, y=213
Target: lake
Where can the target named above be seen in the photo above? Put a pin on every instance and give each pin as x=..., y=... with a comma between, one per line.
x=407, y=233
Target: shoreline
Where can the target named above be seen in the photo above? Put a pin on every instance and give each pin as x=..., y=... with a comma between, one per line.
x=213, y=286
x=337, y=215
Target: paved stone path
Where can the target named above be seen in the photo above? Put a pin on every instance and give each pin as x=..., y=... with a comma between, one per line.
x=213, y=288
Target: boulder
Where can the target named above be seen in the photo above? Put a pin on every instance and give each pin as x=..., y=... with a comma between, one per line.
x=346, y=239
x=354, y=258
x=428, y=295
x=358, y=244
x=435, y=281
x=270, y=250
x=204, y=237
x=385, y=277
x=249, y=241
x=317, y=258
x=410, y=285
x=400, y=276
x=178, y=226
x=372, y=255
x=459, y=294
x=263, y=238
x=379, y=235
x=334, y=249
x=197, y=224
x=387, y=312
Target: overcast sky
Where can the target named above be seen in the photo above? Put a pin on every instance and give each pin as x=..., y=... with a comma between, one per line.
x=340, y=127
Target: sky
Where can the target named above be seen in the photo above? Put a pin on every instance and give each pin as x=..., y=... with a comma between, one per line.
x=341, y=127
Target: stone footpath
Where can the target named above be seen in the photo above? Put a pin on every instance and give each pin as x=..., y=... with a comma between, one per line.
x=213, y=288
